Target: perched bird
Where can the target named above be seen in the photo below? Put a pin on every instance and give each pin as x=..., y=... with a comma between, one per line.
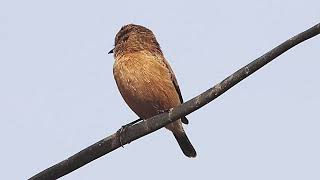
x=146, y=80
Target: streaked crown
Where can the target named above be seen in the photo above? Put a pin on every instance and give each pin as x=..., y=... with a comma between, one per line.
x=133, y=38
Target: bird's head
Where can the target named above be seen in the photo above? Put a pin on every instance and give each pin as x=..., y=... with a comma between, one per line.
x=133, y=38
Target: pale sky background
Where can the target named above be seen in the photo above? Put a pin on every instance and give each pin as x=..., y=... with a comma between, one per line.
x=58, y=95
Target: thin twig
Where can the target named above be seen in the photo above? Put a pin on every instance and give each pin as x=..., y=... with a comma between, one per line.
x=150, y=125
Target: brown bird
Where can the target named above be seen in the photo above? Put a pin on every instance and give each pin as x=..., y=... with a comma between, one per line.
x=146, y=80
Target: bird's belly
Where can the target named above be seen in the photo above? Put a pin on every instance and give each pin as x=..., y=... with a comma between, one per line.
x=147, y=91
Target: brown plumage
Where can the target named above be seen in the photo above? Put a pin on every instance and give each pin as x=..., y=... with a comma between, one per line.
x=146, y=80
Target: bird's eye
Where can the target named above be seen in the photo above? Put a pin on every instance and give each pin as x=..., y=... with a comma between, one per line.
x=125, y=38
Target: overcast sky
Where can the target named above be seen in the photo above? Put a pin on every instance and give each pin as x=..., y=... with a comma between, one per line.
x=58, y=95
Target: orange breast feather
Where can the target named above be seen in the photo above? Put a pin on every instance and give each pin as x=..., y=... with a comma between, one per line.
x=145, y=83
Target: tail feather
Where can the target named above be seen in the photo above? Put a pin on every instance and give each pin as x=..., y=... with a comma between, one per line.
x=185, y=144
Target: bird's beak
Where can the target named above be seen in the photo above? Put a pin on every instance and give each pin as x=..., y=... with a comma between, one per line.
x=111, y=51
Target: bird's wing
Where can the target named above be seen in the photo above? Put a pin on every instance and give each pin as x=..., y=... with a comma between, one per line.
x=176, y=86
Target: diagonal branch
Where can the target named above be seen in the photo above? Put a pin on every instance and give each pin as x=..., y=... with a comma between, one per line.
x=150, y=125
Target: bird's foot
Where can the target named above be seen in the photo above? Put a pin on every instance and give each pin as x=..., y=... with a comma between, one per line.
x=123, y=129
x=183, y=119
x=164, y=110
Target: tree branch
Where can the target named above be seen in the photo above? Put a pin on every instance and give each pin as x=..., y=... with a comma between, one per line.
x=150, y=125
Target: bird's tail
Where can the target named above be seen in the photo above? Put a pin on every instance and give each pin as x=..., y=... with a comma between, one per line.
x=185, y=144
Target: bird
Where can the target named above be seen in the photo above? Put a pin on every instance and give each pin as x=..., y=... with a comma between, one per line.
x=145, y=79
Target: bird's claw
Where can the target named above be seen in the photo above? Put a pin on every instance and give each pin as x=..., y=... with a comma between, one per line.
x=123, y=129
x=164, y=110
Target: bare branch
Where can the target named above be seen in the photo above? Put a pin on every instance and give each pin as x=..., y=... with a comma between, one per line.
x=150, y=125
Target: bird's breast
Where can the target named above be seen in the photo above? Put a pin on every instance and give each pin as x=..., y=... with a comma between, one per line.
x=145, y=83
